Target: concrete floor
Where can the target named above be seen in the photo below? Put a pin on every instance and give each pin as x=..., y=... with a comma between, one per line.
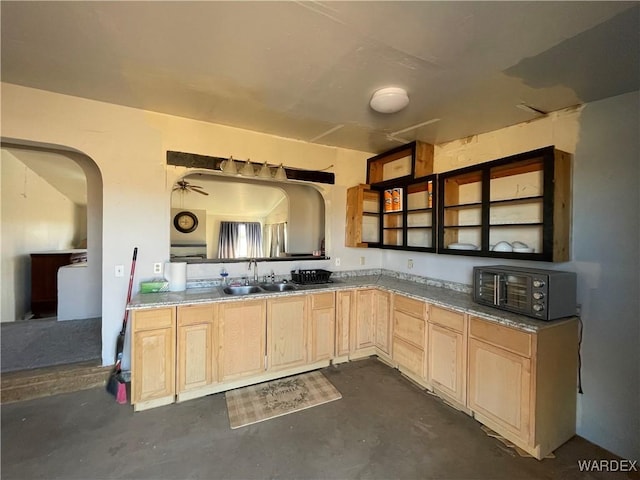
x=383, y=427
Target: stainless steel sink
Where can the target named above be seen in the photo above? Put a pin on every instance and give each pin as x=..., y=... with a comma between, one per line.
x=241, y=289
x=278, y=287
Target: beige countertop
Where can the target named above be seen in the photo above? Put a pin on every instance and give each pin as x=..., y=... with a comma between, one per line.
x=456, y=299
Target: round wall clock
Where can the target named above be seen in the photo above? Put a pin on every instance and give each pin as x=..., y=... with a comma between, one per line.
x=185, y=222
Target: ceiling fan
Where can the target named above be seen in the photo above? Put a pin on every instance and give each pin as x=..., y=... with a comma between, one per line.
x=185, y=187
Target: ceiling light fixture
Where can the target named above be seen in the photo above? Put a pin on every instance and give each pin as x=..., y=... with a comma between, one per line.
x=389, y=100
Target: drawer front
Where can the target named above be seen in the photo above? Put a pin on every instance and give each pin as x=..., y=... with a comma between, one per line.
x=152, y=319
x=195, y=314
x=510, y=339
x=408, y=356
x=409, y=305
x=447, y=318
x=408, y=328
x=322, y=300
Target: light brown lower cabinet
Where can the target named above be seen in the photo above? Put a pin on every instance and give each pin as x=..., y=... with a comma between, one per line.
x=153, y=357
x=382, y=306
x=197, y=364
x=520, y=384
x=447, y=354
x=345, y=317
x=242, y=338
x=409, y=335
x=371, y=329
x=523, y=385
x=286, y=332
x=322, y=326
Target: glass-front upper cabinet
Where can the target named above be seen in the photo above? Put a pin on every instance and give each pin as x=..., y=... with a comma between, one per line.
x=408, y=218
x=515, y=207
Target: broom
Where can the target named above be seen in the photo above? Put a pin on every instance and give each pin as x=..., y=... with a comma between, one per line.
x=116, y=385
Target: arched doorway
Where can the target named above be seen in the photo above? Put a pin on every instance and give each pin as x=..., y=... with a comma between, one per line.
x=51, y=201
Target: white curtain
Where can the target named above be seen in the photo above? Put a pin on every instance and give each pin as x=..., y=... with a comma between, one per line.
x=240, y=240
x=275, y=239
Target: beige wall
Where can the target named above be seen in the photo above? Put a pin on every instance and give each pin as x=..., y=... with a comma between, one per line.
x=129, y=148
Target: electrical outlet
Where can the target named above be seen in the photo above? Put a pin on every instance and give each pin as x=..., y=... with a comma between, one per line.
x=337, y=262
x=362, y=260
x=119, y=270
x=157, y=268
x=410, y=263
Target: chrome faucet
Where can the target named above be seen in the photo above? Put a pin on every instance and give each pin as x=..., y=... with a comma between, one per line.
x=255, y=269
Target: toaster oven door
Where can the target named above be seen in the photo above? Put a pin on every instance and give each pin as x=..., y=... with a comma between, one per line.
x=504, y=290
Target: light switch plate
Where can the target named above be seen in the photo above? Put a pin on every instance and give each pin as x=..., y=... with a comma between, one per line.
x=119, y=270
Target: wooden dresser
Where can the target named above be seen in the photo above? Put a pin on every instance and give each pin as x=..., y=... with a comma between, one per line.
x=44, y=278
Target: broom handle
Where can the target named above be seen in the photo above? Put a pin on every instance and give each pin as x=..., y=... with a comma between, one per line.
x=133, y=269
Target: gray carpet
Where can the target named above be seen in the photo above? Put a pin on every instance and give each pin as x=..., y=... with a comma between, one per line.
x=46, y=342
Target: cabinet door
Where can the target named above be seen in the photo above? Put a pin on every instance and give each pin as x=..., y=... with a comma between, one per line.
x=500, y=386
x=196, y=354
x=323, y=315
x=382, y=321
x=153, y=355
x=446, y=364
x=286, y=332
x=345, y=310
x=242, y=338
x=364, y=327
x=363, y=217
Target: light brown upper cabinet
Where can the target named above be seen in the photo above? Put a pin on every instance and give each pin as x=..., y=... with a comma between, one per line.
x=363, y=217
x=406, y=162
x=396, y=208
x=514, y=207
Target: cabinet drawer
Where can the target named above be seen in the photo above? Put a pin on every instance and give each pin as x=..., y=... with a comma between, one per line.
x=408, y=356
x=152, y=319
x=508, y=338
x=447, y=318
x=409, y=305
x=195, y=314
x=322, y=300
x=408, y=328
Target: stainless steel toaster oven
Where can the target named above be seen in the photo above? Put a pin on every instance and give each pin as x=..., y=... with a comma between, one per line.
x=543, y=294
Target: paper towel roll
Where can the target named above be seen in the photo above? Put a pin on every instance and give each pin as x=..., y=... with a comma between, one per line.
x=176, y=274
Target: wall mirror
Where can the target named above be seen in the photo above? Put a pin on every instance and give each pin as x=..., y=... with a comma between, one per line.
x=216, y=218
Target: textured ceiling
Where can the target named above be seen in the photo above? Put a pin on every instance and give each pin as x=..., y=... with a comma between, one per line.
x=306, y=70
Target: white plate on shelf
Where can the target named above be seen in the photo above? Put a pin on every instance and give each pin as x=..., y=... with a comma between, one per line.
x=462, y=246
x=523, y=249
x=502, y=247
